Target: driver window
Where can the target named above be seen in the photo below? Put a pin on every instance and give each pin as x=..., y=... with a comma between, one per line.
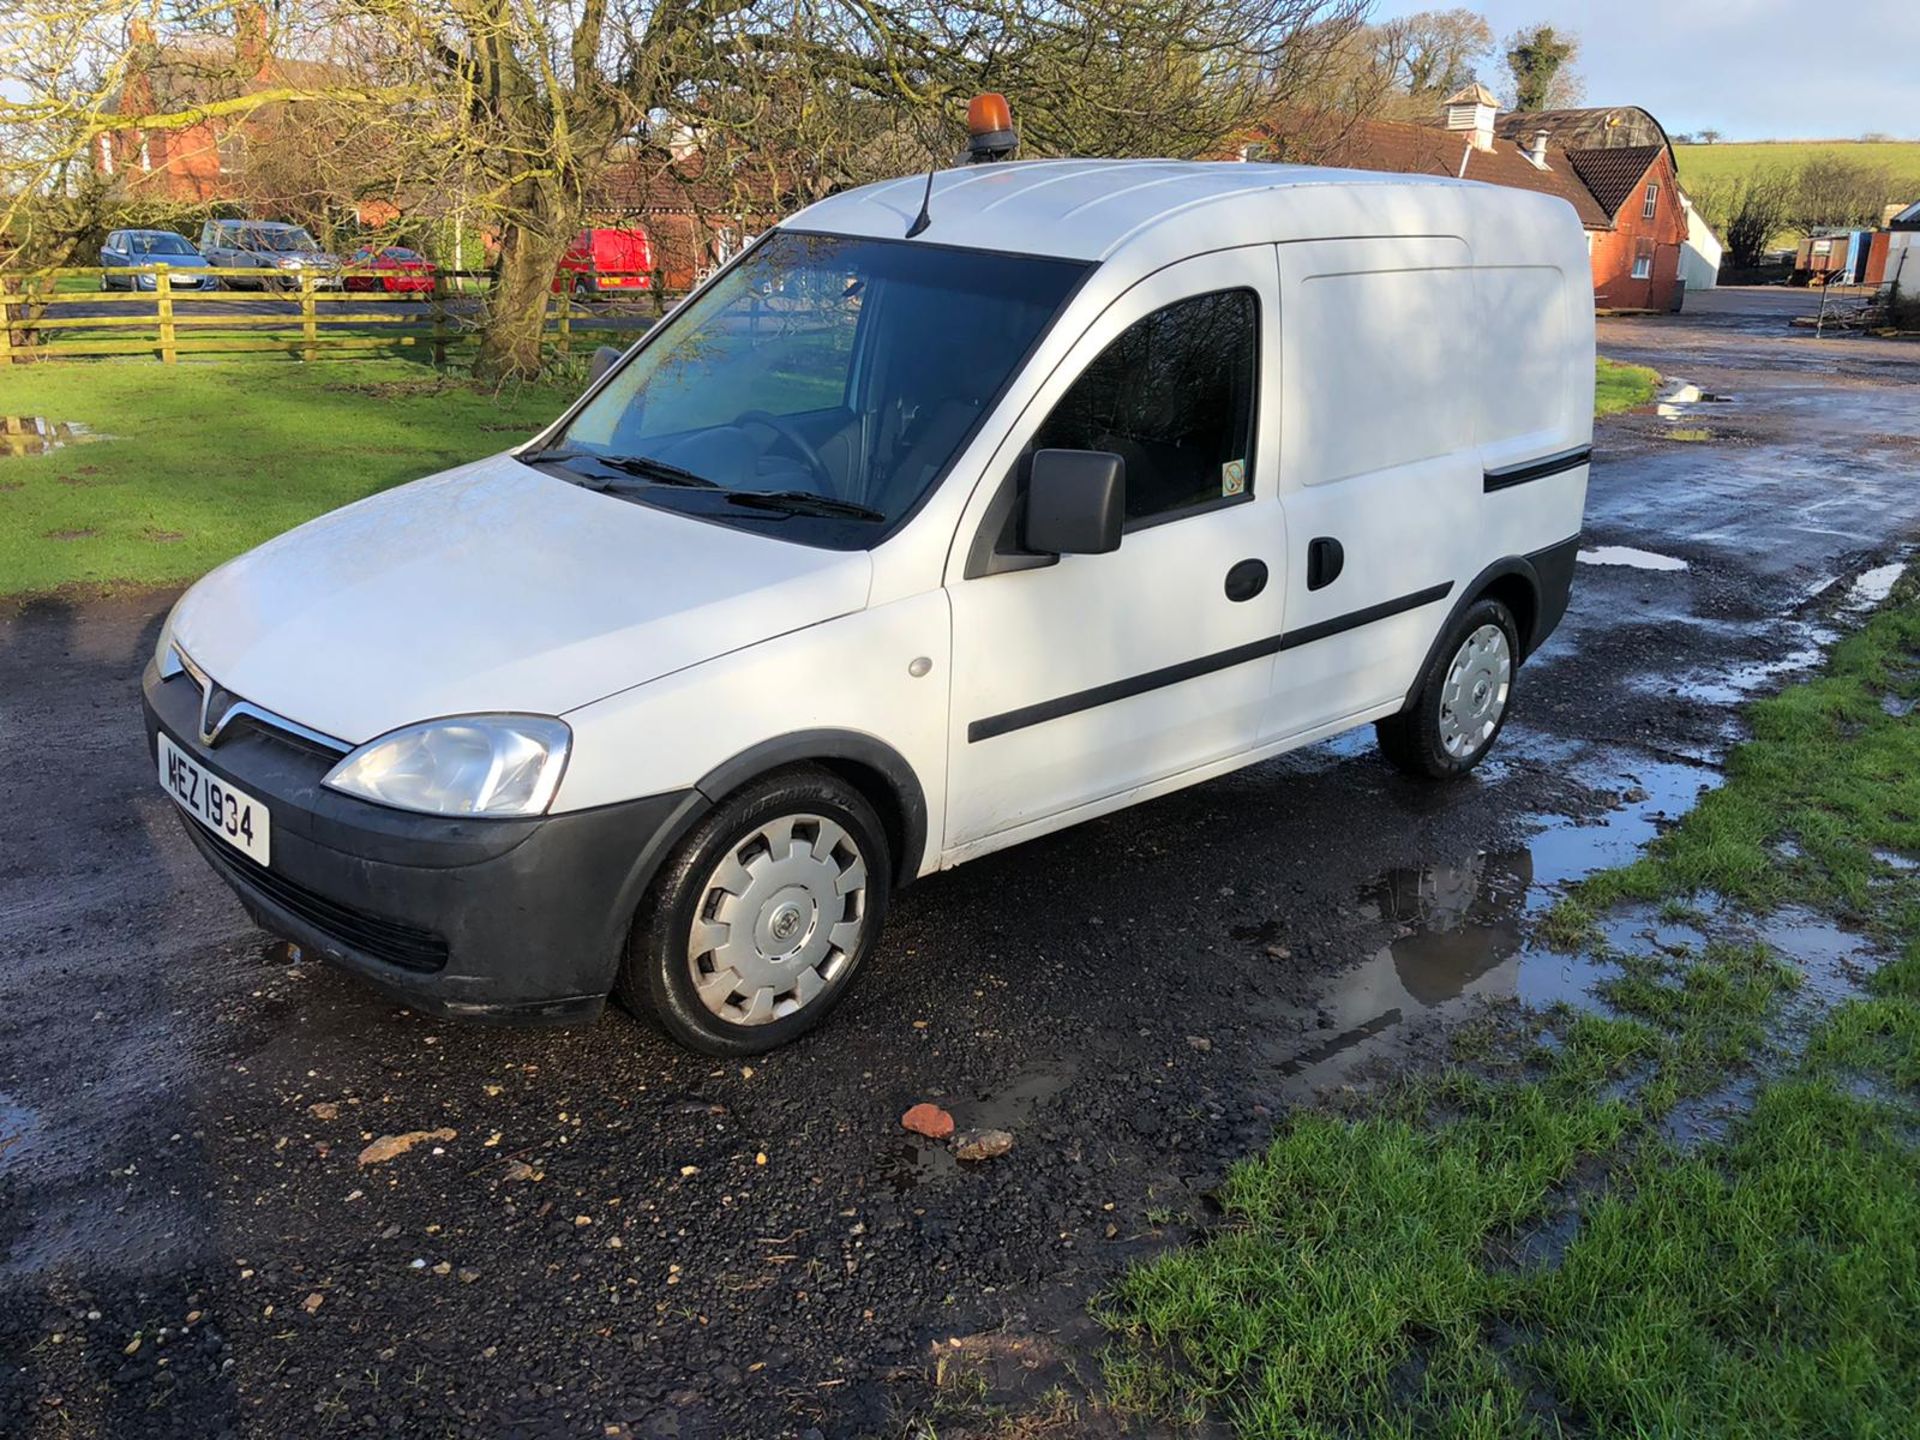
x=1173, y=396
x=787, y=345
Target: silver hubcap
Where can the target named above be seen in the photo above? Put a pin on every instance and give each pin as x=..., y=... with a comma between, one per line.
x=778, y=919
x=1475, y=695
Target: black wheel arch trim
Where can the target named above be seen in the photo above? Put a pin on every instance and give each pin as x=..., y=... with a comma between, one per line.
x=827, y=745
x=1548, y=606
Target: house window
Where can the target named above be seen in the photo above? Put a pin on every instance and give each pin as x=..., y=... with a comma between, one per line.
x=1256, y=151
x=232, y=150
x=146, y=155
x=1643, y=260
x=1653, y=202
x=1173, y=397
x=106, y=154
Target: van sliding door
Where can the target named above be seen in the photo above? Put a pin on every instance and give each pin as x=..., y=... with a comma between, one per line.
x=1380, y=477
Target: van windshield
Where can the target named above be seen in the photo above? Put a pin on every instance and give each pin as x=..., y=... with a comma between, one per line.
x=821, y=385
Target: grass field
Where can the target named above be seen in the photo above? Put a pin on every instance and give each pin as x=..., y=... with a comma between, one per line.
x=1618, y=386
x=1701, y=163
x=200, y=462
x=1548, y=1240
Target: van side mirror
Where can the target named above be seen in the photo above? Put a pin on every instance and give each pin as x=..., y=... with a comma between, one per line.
x=1076, y=502
x=604, y=359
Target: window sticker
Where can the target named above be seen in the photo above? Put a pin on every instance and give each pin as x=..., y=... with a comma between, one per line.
x=1233, y=477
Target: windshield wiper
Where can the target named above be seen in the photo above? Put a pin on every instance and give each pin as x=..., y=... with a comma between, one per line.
x=800, y=502
x=658, y=471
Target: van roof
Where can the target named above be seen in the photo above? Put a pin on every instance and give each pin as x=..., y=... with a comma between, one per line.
x=1089, y=209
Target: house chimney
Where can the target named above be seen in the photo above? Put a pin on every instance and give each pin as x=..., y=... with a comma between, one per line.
x=1473, y=109
x=252, y=35
x=1538, y=154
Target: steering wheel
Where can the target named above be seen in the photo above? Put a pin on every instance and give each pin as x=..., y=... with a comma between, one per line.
x=801, y=446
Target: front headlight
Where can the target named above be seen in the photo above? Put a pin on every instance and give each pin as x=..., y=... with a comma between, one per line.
x=165, y=657
x=493, y=765
x=291, y=262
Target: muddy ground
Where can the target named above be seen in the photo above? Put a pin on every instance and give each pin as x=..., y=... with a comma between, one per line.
x=623, y=1239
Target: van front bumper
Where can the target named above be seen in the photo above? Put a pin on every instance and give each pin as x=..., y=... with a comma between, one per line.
x=503, y=919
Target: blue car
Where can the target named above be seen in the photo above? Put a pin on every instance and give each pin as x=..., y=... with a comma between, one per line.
x=154, y=247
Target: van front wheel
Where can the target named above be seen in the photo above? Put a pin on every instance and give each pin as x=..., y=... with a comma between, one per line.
x=754, y=928
x=1462, y=700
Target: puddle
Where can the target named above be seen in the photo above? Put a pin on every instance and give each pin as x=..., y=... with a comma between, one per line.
x=1707, y=1118
x=1739, y=683
x=1681, y=396
x=1010, y=1107
x=1460, y=930
x=1630, y=557
x=36, y=435
x=1872, y=586
x=1811, y=641
x=17, y=1127
x=1831, y=961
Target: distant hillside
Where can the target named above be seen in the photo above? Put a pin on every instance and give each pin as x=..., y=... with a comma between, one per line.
x=1700, y=163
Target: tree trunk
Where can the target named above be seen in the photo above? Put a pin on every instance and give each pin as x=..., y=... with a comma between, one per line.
x=514, y=321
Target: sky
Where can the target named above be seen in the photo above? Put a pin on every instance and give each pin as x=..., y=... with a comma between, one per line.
x=1751, y=69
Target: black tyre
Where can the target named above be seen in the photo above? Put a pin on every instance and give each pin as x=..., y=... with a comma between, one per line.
x=1462, y=700
x=758, y=921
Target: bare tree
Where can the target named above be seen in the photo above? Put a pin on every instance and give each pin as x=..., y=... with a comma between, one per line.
x=1709, y=136
x=1748, y=211
x=1431, y=54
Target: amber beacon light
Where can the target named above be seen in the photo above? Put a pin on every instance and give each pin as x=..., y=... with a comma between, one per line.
x=990, y=128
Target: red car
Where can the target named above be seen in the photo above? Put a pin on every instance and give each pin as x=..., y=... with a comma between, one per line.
x=607, y=262
x=391, y=268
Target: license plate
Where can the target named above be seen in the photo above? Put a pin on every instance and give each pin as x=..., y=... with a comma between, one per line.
x=233, y=815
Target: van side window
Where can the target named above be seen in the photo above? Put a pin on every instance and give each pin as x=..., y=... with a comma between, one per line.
x=1173, y=396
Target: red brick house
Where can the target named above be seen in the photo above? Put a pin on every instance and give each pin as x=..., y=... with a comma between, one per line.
x=696, y=220
x=203, y=162
x=1615, y=167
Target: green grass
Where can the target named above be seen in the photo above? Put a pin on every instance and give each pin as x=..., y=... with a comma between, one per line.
x=1618, y=386
x=207, y=460
x=1702, y=163
x=1527, y=1248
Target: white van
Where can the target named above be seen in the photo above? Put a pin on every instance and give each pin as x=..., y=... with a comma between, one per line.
x=881, y=553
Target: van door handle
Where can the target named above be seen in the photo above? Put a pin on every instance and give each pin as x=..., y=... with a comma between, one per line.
x=1325, y=560
x=1246, y=580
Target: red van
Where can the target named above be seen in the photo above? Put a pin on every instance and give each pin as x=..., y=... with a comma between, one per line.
x=607, y=262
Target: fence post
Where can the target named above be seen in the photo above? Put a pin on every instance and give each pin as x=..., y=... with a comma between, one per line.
x=309, y=334
x=163, y=300
x=6, y=328
x=566, y=322
x=438, y=306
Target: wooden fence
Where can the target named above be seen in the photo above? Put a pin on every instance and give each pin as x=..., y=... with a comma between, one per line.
x=42, y=319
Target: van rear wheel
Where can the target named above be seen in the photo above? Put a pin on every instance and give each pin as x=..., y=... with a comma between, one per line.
x=1462, y=700
x=755, y=926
